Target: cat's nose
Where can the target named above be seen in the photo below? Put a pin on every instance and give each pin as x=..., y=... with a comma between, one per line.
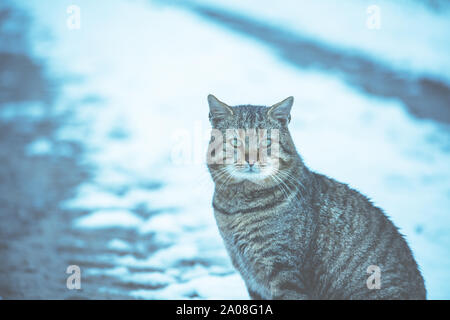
x=251, y=163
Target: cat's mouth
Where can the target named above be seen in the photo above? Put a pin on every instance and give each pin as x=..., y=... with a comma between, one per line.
x=251, y=169
x=252, y=172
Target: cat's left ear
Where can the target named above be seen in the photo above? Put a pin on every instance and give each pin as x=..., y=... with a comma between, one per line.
x=217, y=109
x=281, y=111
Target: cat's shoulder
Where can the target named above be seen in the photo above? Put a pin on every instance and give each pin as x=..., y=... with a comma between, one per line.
x=340, y=194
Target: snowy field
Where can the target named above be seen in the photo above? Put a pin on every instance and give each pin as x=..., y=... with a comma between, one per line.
x=152, y=66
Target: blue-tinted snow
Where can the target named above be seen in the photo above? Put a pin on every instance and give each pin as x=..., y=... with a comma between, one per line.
x=154, y=66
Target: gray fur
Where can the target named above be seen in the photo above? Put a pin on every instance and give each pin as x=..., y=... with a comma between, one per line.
x=303, y=235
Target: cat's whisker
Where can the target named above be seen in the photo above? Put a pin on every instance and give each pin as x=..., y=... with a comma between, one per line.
x=294, y=181
x=221, y=173
x=228, y=179
x=282, y=186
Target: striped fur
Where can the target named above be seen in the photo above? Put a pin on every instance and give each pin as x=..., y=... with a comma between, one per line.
x=305, y=235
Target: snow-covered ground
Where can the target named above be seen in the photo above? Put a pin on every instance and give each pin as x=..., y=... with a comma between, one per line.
x=409, y=35
x=153, y=65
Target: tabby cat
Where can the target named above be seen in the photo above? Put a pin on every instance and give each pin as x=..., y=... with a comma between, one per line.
x=293, y=233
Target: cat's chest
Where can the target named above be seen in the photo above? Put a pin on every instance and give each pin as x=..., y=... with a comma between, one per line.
x=251, y=239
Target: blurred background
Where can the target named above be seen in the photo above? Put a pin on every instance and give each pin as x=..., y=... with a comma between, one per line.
x=103, y=129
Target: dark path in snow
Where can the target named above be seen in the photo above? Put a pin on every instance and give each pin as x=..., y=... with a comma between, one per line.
x=424, y=97
x=37, y=240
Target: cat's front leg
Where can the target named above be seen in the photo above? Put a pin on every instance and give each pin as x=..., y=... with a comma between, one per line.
x=254, y=295
x=287, y=288
x=290, y=295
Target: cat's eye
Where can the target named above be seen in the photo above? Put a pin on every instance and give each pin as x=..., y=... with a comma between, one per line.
x=235, y=142
x=266, y=143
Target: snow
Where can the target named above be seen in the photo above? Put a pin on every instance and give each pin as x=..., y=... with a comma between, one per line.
x=40, y=146
x=213, y=287
x=343, y=24
x=108, y=219
x=120, y=245
x=155, y=65
x=14, y=110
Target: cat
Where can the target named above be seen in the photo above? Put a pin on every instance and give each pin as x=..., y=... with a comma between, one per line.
x=295, y=234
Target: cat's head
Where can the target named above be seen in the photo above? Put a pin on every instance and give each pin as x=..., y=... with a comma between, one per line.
x=250, y=143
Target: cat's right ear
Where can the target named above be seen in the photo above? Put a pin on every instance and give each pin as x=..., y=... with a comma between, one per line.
x=281, y=111
x=217, y=109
